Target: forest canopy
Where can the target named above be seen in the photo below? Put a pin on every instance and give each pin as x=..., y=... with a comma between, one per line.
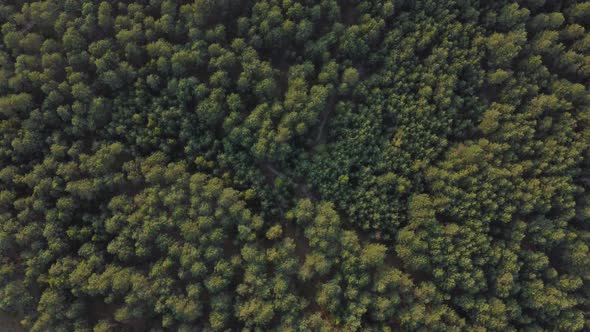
x=315, y=165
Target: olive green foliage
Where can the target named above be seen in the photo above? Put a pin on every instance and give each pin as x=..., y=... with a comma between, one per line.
x=261, y=165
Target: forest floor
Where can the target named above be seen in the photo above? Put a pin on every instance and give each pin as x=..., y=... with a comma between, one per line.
x=9, y=323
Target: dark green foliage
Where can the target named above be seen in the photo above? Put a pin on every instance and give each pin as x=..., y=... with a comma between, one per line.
x=295, y=165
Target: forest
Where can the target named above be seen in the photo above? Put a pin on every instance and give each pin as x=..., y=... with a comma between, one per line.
x=284, y=165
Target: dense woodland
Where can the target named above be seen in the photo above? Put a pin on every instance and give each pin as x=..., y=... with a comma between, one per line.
x=259, y=165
